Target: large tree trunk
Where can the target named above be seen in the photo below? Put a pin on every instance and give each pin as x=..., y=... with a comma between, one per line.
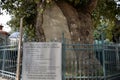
x=79, y=21
x=80, y=29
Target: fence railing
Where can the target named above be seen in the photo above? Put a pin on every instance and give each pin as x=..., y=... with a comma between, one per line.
x=8, y=61
x=91, y=61
x=80, y=61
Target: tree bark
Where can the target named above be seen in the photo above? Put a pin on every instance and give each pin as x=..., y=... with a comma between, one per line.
x=91, y=5
x=40, y=36
x=79, y=21
x=80, y=28
x=116, y=32
x=72, y=19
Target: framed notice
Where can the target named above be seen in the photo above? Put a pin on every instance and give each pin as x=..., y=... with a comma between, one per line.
x=41, y=61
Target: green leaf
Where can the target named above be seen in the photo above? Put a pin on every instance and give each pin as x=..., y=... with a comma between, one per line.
x=37, y=1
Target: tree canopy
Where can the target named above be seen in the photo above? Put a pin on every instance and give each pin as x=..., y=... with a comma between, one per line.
x=106, y=8
x=19, y=8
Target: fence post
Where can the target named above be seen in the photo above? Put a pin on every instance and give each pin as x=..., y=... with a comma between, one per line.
x=103, y=56
x=63, y=57
x=117, y=58
x=3, y=61
x=19, y=51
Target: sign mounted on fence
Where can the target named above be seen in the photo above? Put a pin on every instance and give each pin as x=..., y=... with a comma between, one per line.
x=42, y=61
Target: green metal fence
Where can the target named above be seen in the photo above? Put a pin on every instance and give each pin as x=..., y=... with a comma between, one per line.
x=8, y=61
x=91, y=61
x=80, y=61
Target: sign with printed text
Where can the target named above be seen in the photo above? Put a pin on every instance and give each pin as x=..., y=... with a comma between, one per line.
x=41, y=61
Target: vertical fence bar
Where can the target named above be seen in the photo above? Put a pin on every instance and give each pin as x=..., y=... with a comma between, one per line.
x=103, y=55
x=4, y=56
x=19, y=51
x=63, y=57
x=3, y=62
x=117, y=58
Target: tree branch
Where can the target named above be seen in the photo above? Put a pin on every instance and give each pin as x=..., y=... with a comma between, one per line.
x=91, y=5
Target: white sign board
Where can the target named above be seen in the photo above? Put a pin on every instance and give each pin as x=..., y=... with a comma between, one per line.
x=41, y=61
